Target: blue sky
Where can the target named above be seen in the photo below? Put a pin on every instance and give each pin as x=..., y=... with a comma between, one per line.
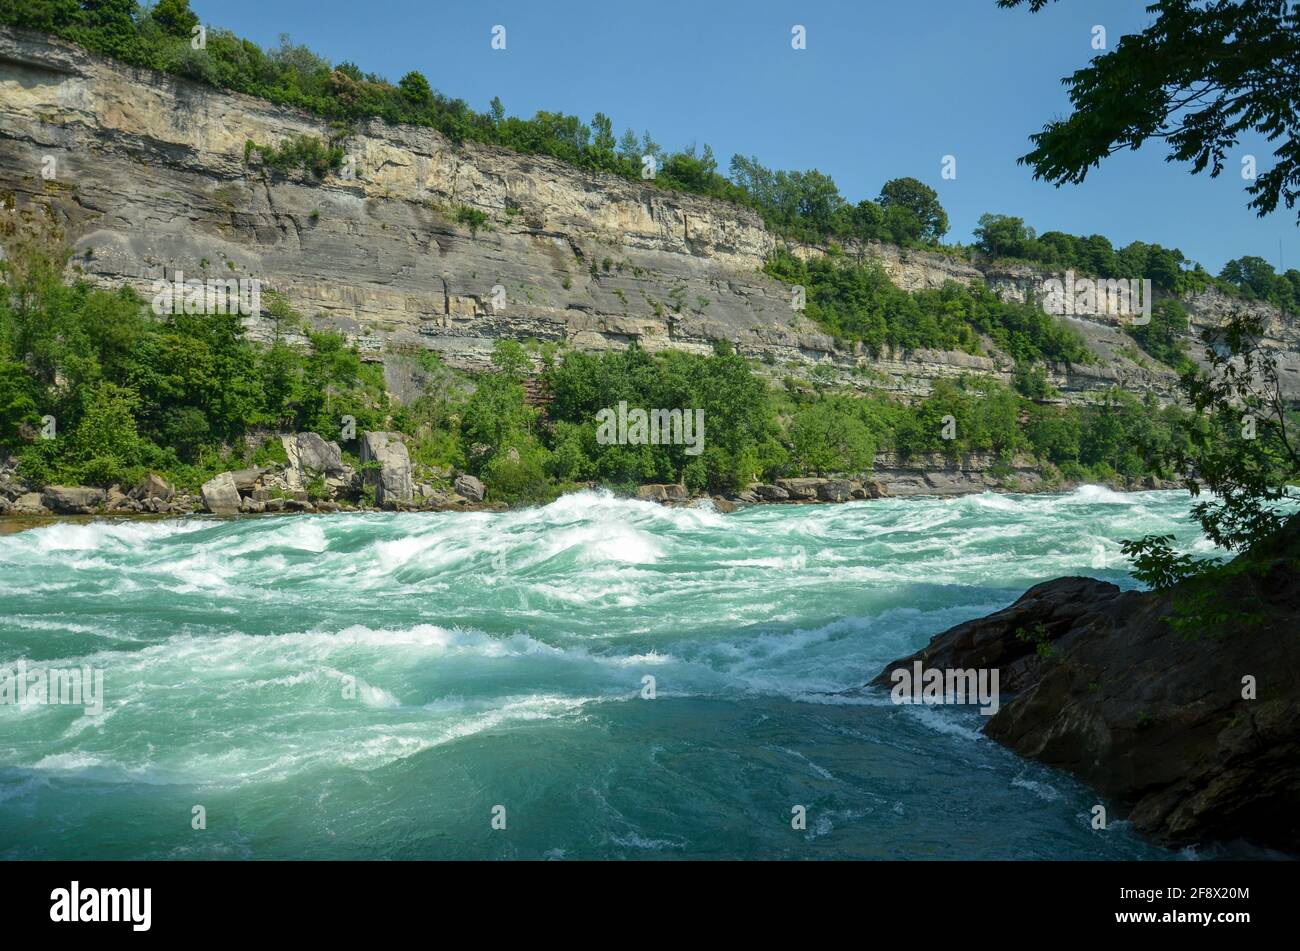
x=884, y=89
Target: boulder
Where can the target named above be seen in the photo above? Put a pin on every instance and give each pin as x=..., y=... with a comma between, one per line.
x=73, y=500
x=725, y=506
x=470, y=487
x=663, y=492
x=245, y=479
x=153, y=486
x=252, y=505
x=874, y=489
x=771, y=493
x=803, y=489
x=310, y=454
x=221, y=495
x=1099, y=683
x=29, y=503
x=835, y=490
x=389, y=467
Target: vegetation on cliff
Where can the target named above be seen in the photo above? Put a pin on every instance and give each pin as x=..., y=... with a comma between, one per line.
x=188, y=395
x=858, y=302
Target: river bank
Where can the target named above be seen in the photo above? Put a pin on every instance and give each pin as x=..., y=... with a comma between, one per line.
x=315, y=479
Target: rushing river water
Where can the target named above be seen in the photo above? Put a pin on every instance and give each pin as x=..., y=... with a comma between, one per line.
x=375, y=686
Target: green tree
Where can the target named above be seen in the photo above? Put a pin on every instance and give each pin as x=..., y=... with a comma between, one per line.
x=175, y=17
x=1200, y=76
x=921, y=202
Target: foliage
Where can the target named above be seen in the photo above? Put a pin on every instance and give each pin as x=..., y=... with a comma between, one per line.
x=858, y=302
x=300, y=151
x=1200, y=76
x=128, y=390
x=1155, y=563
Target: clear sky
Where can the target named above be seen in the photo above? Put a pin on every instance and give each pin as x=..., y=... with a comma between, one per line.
x=885, y=88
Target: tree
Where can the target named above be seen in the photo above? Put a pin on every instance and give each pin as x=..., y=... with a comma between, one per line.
x=1002, y=236
x=1249, y=457
x=1199, y=77
x=416, y=91
x=1252, y=274
x=921, y=201
x=175, y=17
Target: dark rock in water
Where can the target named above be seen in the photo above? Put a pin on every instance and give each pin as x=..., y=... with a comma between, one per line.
x=1095, y=682
x=770, y=493
x=73, y=500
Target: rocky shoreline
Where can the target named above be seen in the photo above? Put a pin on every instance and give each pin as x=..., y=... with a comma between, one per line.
x=1194, y=739
x=315, y=479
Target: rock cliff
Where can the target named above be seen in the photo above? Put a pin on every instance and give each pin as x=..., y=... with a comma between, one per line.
x=150, y=177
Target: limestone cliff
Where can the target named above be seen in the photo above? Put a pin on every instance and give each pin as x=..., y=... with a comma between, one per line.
x=150, y=178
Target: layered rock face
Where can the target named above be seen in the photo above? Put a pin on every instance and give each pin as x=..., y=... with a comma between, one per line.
x=1193, y=739
x=150, y=178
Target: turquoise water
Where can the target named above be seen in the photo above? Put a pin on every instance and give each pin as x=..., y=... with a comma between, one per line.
x=372, y=686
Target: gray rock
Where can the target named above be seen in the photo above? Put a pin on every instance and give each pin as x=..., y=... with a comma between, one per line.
x=770, y=493
x=252, y=505
x=310, y=453
x=29, y=503
x=470, y=487
x=245, y=479
x=153, y=486
x=835, y=490
x=663, y=492
x=73, y=500
x=804, y=489
x=221, y=495
x=391, y=475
